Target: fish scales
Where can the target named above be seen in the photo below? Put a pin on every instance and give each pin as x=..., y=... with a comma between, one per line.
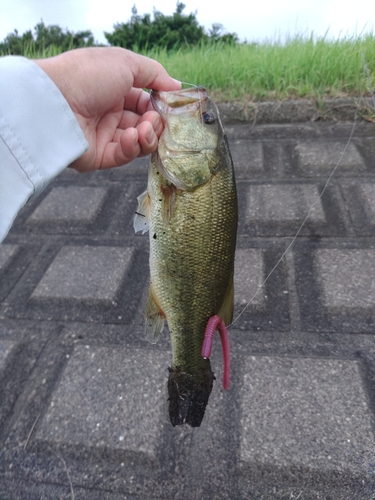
x=197, y=267
x=191, y=206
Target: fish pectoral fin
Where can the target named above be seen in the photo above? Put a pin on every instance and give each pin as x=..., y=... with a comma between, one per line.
x=227, y=306
x=155, y=319
x=141, y=220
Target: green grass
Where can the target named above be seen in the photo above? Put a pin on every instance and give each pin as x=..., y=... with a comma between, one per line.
x=299, y=67
x=30, y=51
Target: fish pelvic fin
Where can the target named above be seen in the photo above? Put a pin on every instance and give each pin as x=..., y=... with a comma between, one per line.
x=155, y=319
x=188, y=395
x=141, y=220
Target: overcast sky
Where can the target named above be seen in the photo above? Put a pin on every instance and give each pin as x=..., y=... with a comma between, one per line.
x=259, y=20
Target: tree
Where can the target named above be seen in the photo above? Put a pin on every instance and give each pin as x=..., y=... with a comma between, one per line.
x=217, y=34
x=169, y=32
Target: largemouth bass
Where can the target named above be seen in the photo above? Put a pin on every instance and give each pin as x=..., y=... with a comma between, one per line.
x=190, y=210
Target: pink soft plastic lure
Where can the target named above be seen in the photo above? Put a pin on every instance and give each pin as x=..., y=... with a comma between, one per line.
x=215, y=322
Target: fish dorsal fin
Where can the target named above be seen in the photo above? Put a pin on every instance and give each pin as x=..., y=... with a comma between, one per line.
x=141, y=220
x=155, y=319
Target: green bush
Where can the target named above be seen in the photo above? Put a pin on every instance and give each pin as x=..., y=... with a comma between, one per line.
x=43, y=38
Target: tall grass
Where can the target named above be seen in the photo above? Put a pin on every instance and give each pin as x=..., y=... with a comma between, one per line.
x=300, y=66
x=29, y=50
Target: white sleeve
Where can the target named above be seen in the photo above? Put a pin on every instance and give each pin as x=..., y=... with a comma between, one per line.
x=39, y=135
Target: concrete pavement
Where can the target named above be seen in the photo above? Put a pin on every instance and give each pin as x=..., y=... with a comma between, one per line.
x=83, y=398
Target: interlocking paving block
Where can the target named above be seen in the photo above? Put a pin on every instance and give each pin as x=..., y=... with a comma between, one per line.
x=6, y=347
x=109, y=397
x=282, y=429
x=247, y=156
x=359, y=199
x=321, y=157
x=136, y=168
x=283, y=203
x=248, y=276
x=85, y=273
x=85, y=207
x=334, y=286
x=347, y=277
x=20, y=348
x=212, y=470
x=309, y=413
x=14, y=259
x=210, y=466
x=283, y=209
x=8, y=380
x=366, y=147
x=263, y=308
x=7, y=252
x=121, y=223
x=73, y=203
x=367, y=191
x=28, y=490
x=90, y=280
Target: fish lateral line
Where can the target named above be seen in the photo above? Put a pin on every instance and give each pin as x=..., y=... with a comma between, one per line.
x=213, y=324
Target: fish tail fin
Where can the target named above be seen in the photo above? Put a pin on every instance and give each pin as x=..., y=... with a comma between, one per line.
x=188, y=395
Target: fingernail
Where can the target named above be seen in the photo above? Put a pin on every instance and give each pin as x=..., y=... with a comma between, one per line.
x=157, y=125
x=135, y=137
x=150, y=135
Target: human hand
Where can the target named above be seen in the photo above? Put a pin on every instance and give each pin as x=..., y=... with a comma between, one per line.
x=103, y=86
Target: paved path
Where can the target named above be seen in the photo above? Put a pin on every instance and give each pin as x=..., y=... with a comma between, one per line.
x=83, y=401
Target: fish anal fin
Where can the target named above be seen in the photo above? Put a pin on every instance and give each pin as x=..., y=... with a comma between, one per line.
x=141, y=220
x=155, y=319
x=227, y=306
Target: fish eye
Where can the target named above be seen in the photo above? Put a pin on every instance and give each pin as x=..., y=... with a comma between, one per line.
x=209, y=118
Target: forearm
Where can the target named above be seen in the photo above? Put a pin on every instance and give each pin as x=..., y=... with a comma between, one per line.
x=39, y=135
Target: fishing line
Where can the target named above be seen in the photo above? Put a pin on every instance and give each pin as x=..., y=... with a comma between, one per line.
x=301, y=226
x=189, y=84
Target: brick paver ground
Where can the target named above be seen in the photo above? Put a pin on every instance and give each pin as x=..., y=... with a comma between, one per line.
x=83, y=398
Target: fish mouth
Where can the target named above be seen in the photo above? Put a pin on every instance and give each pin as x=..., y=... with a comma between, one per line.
x=179, y=100
x=188, y=395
